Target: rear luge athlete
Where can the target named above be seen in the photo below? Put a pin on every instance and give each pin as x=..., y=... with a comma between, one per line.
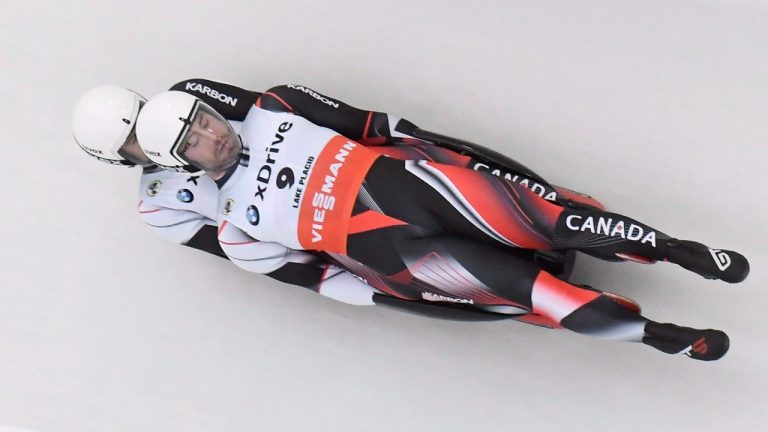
x=433, y=231
x=178, y=206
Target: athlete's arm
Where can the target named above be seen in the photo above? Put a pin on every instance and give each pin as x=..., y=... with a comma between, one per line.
x=366, y=127
x=377, y=128
x=400, y=138
x=230, y=101
x=292, y=266
x=182, y=227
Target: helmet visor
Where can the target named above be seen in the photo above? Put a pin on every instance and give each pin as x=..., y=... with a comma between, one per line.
x=207, y=140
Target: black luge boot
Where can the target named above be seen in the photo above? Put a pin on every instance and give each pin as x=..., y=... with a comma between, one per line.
x=728, y=266
x=706, y=345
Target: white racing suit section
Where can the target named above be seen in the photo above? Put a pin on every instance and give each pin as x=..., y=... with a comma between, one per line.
x=177, y=205
x=265, y=257
x=298, y=184
x=265, y=201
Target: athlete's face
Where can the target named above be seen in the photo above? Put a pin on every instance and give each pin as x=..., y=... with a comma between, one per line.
x=131, y=150
x=211, y=144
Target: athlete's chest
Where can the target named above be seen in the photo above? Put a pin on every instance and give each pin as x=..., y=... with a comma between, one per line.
x=264, y=194
x=254, y=201
x=279, y=140
x=300, y=181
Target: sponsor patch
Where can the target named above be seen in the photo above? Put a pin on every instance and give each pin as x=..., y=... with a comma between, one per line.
x=441, y=298
x=213, y=93
x=325, y=211
x=252, y=215
x=609, y=227
x=228, y=204
x=154, y=188
x=185, y=195
x=314, y=94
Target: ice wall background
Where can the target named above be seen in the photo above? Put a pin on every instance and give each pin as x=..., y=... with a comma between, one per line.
x=657, y=108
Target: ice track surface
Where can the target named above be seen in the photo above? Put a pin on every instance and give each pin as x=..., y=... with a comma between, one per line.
x=656, y=108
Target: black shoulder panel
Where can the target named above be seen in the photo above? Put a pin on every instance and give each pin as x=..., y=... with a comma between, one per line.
x=230, y=101
x=317, y=108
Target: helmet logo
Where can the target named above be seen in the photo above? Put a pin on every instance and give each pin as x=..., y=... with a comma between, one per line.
x=154, y=188
x=93, y=151
x=185, y=196
x=228, y=206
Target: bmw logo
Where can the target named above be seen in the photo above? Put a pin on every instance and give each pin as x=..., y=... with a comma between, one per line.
x=228, y=204
x=154, y=188
x=252, y=214
x=185, y=196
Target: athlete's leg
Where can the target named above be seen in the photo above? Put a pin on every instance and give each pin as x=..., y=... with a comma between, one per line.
x=607, y=235
x=447, y=268
x=419, y=150
x=487, y=208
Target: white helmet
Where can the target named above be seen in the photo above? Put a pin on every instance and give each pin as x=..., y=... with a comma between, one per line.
x=103, y=119
x=163, y=125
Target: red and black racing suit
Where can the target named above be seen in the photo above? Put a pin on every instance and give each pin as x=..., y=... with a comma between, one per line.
x=422, y=229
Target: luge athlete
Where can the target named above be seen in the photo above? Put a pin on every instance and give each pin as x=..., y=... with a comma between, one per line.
x=425, y=230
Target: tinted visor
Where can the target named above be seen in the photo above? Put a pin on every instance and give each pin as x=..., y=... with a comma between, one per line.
x=205, y=124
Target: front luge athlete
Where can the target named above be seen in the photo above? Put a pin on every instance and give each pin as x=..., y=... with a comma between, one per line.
x=181, y=207
x=422, y=229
